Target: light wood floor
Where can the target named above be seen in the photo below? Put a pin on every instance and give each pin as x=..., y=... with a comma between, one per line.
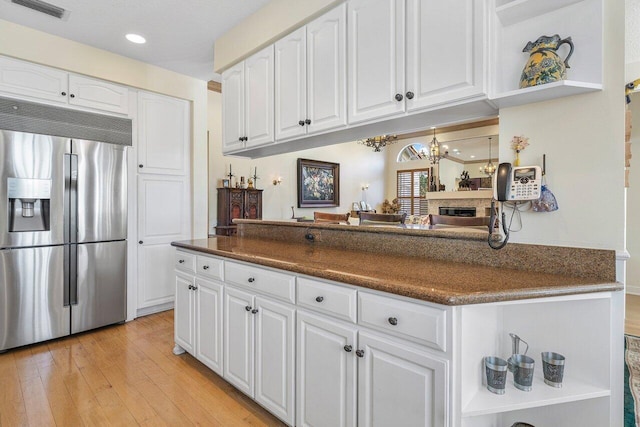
x=632, y=315
x=122, y=375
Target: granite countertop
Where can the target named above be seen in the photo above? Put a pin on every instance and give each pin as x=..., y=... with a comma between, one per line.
x=442, y=282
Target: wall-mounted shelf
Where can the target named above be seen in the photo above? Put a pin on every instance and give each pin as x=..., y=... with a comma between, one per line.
x=514, y=11
x=543, y=93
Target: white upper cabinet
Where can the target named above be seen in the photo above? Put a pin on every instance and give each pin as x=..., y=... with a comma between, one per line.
x=98, y=94
x=310, y=70
x=376, y=59
x=233, y=108
x=259, y=93
x=247, y=102
x=291, y=85
x=445, y=52
x=28, y=80
x=163, y=134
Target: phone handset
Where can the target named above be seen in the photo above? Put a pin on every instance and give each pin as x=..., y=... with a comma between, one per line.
x=502, y=182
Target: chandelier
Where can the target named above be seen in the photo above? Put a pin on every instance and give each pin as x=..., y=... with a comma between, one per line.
x=489, y=168
x=378, y=142
x=434, y=155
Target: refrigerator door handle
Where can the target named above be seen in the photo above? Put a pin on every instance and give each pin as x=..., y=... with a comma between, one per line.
x=73, y=274
x=65, y=292
x=66, y=198
x=73, y=199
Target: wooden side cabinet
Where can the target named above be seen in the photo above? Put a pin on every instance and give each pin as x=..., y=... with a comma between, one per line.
x=237, y=203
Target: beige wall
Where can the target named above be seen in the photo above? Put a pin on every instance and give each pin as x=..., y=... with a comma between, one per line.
x=31, y=45
x=359, y=166
x=633, y=201
x=274, y=20
x=583, y=138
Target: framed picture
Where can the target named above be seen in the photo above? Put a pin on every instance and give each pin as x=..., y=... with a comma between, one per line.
x=318, y=184
x=225, y=183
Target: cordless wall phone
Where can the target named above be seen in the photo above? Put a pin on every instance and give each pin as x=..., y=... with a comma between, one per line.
x=514, y=184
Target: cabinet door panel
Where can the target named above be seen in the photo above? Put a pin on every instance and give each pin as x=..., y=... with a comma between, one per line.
x=26, y=79
x=98, y=94
x=209, y=324
x=451, y=68
x=163, y=133
x=275, y=359
x=233, y=107
x=398, y=385
x=376, y=58
x=291, y=84
x=327, y=70
x=155, y=274
x=163, y=209
x=238, y=339
x=184, y=313
x=259, y=94
x=326, y=373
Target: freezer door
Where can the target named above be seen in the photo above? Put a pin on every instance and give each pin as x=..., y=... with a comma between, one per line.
x=101, y=192
x=31, y=172
x=100, y=297
x=32, y=296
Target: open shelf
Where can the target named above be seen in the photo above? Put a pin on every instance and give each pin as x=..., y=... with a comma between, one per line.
x=514, y=11
x=485, y=402
x=543, y=93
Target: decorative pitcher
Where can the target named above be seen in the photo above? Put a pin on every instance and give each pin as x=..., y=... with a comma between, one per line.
x=544, y=65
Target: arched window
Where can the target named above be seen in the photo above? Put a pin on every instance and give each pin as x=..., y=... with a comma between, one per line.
x=411, y=152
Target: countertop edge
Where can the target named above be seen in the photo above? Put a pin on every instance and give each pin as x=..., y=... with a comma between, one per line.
x=408, y=290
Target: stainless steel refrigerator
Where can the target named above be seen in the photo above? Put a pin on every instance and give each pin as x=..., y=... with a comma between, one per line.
x=63, y=217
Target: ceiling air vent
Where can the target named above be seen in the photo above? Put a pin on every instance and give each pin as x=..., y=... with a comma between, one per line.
x=43, y=7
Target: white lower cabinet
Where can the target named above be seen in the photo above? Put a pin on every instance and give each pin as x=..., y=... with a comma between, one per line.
x=259, y=336
x=326, y=371
x=208, y=317
x=393, y=383
x=185, y=307
x=198, y=314
x=400, y=385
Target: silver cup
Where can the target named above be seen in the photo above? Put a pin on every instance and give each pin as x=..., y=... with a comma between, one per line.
x=553, y=368
x=496, y=371
x=523, y=371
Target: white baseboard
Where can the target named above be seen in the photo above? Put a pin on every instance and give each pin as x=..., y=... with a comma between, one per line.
x=633, y=290
x=155, y=309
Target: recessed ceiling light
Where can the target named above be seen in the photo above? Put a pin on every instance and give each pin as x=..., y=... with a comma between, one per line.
x=472, y=156
x=136, y=38
x=446, y=147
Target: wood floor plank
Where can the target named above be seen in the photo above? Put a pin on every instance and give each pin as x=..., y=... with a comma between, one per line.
x=121, y=375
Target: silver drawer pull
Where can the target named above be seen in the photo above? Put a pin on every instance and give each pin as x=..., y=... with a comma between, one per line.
x=393, y=321
x=248, y=308
x=181, y=261
x=251, y=279
x=319, y=299
x=205, y=267
x=348, y=348
x=360, y=353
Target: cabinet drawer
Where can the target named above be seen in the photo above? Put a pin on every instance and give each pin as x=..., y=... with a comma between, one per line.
x=334, y=300
x=404, y=319
x=209, y=267
x=269, y=282
x=185, y=261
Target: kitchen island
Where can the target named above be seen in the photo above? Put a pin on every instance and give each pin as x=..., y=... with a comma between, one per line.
x=338, y=325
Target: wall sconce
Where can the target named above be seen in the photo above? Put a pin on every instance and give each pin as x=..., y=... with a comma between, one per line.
x=277, y=181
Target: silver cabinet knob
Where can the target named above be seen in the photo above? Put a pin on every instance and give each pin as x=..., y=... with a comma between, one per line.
x=348, y=348
x=181, y=261
x=393, y=321
x=248, y=308
x=205, y=267
x=254, y=311
x=251, y=279
x=319, y=299
x=360, y=353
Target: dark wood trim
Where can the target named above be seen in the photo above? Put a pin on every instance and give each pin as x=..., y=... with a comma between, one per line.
x=454, y=128
x=214, y=86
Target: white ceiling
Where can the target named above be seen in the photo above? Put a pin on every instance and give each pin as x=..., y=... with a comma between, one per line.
x=180, y=33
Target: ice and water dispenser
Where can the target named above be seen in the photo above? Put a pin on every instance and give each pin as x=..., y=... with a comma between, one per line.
x=29, y=201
